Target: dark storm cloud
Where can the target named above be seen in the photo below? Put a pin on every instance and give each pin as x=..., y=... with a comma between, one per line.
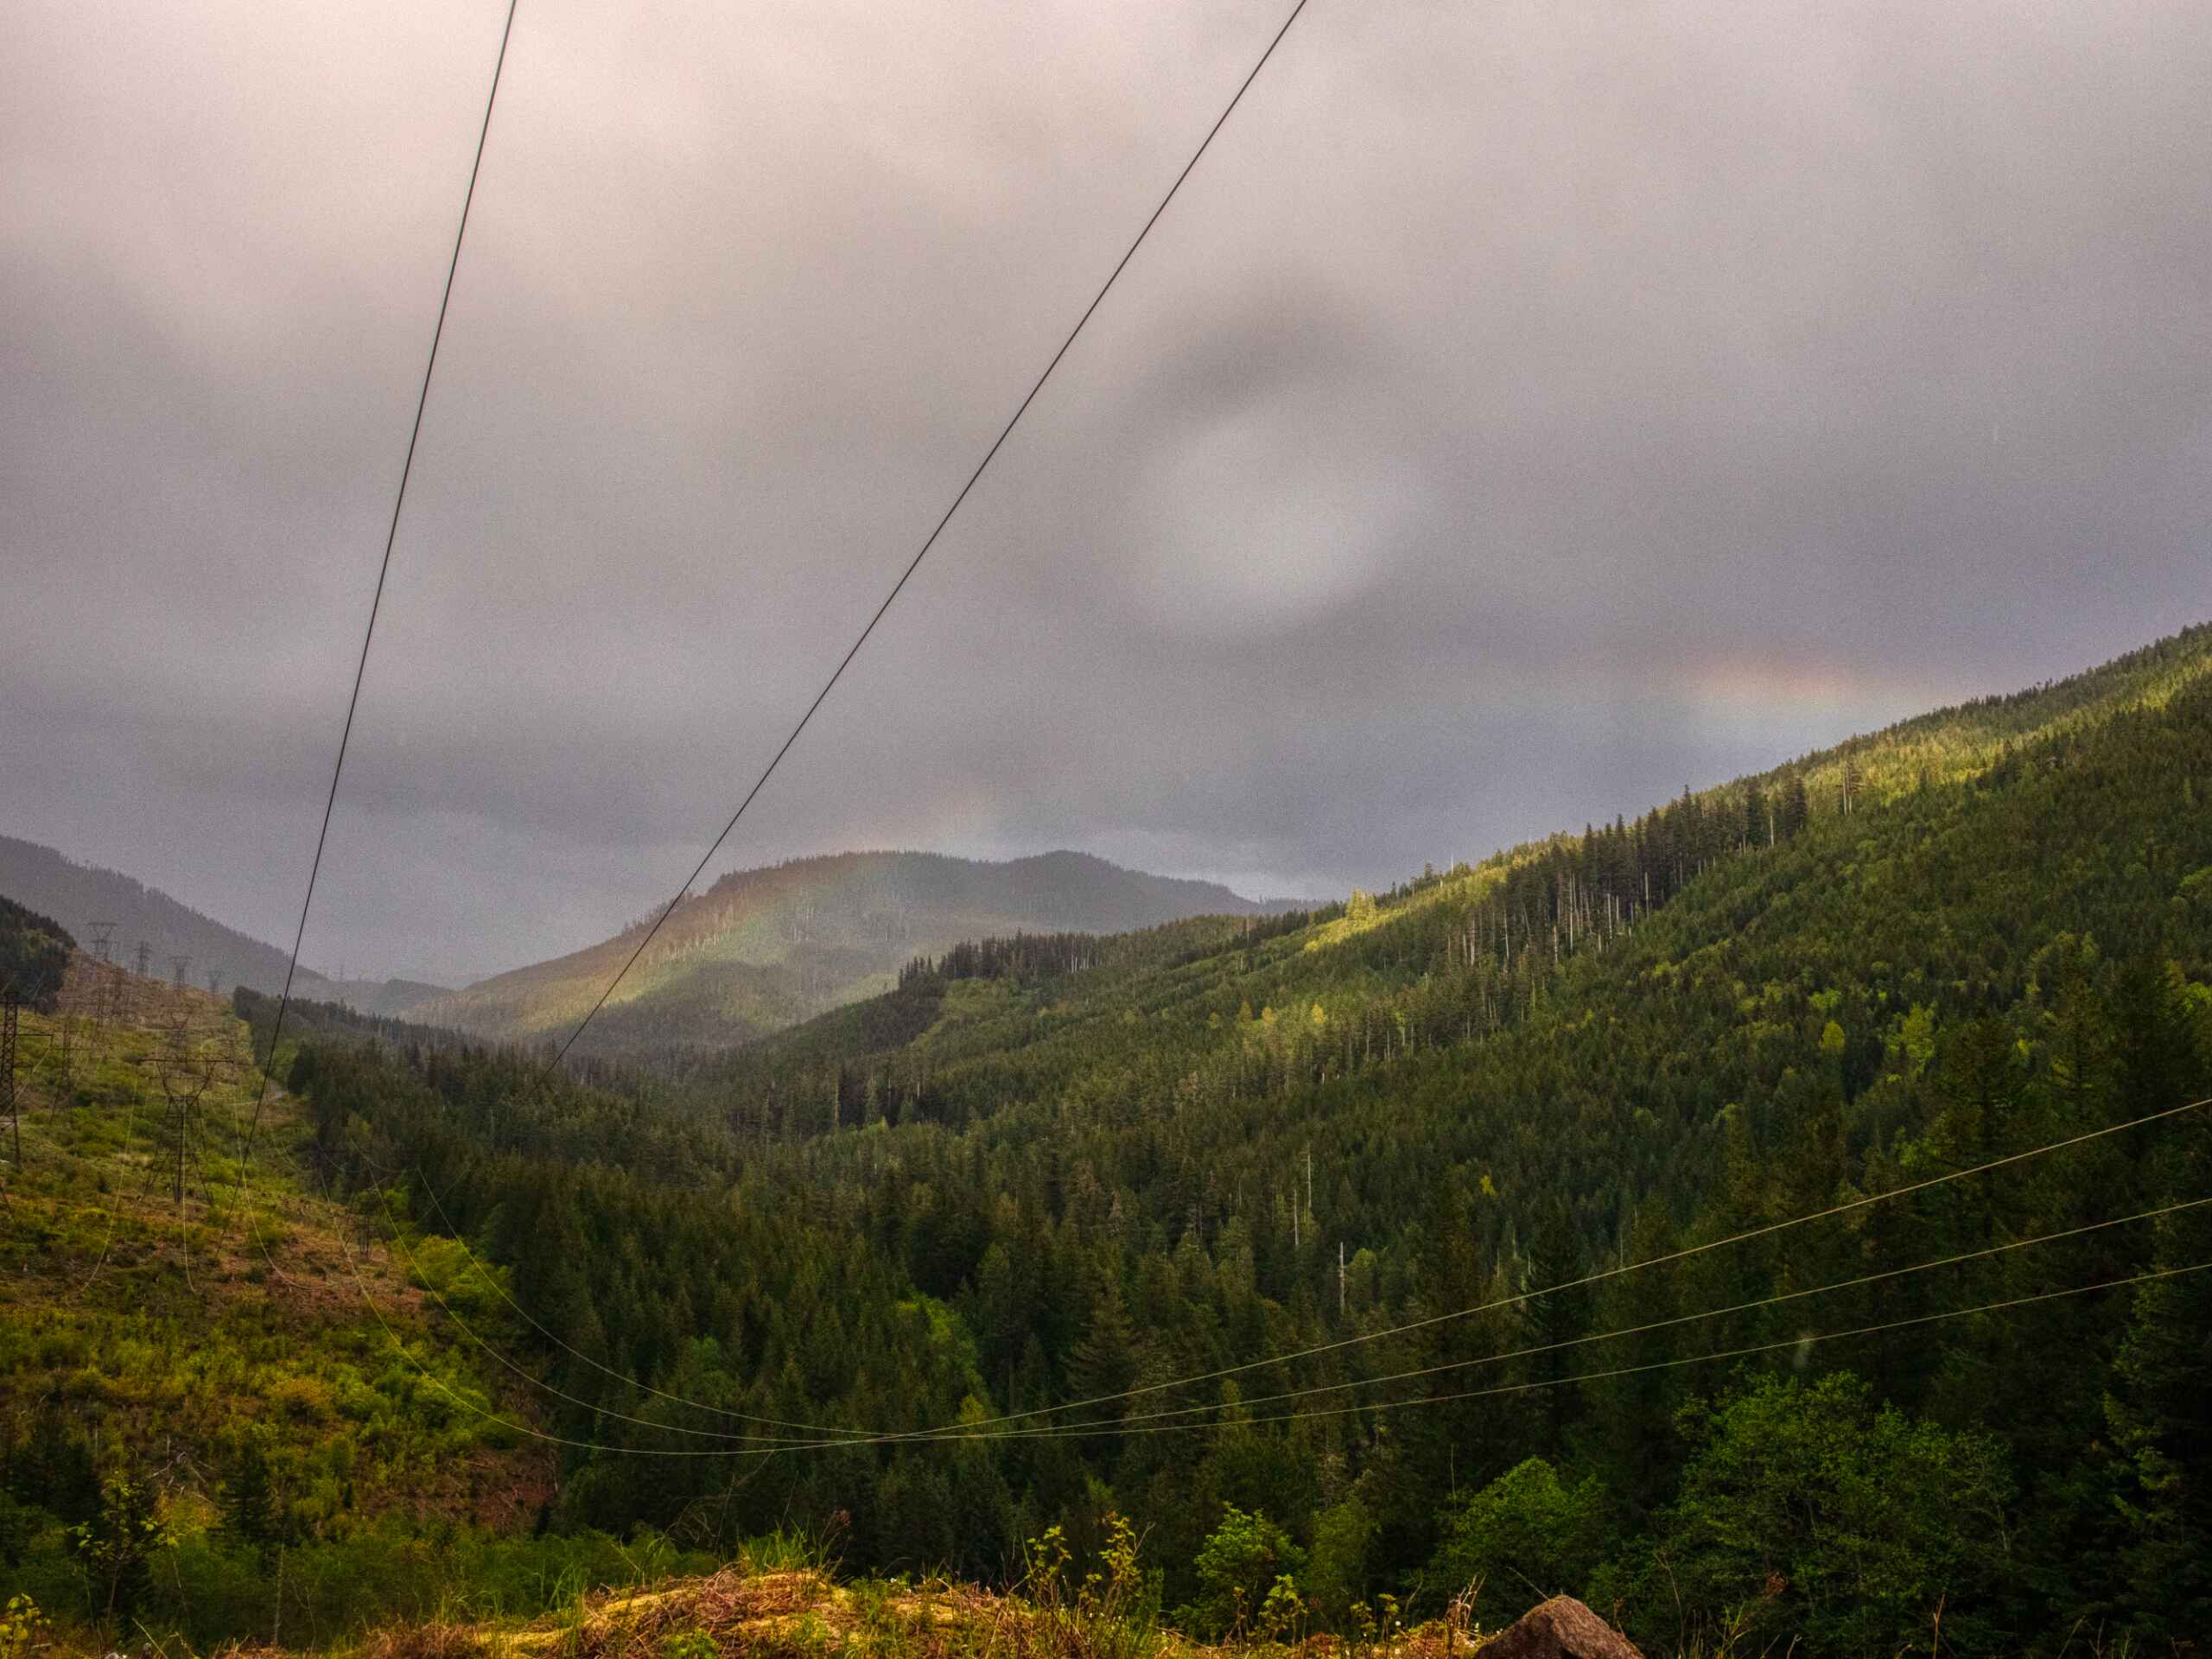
x=1526, y=410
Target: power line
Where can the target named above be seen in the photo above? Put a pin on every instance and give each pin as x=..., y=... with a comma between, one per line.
x=1691, y=1359
x=1068, y=1430
x=1112, y=1424
x=915, y=564
x=361, y=670
x=1071, y=1430
x=368, y=634
x=501, y=1290
x=957, y=1430
x=384, y=569
x=851, y=1436
x=882, y=609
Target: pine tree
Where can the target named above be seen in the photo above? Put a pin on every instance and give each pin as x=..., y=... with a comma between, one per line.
x=1796, y=807
x=249, y=1501
x=1552, y=1319
x=2159, y=1410
x=1103, y=1362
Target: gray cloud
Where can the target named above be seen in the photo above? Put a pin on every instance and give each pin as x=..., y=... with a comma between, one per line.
x=1524, y=410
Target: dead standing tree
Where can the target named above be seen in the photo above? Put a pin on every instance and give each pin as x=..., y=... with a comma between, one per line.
x=8, y=1069
x=40, y=986
x=99, y=996
x=62, y=1050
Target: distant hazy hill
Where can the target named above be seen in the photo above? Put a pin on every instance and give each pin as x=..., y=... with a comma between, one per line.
x=77, y=895
x=764, y=949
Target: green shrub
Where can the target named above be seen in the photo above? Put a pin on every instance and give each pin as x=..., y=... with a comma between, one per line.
x=118, y=1542
x=1526, y=1536
x=1237, y=1568
x=23, y=1628
x=1809, y=1517
x=1337, y=1568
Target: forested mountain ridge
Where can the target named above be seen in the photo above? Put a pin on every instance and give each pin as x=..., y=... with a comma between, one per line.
x=762, y=949
x=1949, y=744
x=1518, y=914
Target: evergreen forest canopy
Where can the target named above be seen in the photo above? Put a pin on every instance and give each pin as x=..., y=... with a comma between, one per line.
x=1045, y=1170
x=34, y=955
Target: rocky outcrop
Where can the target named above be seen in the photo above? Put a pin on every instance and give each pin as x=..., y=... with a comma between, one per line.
x=1562, y=1627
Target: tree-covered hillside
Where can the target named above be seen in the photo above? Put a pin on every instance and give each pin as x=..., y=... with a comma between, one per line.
x=35, y=953
x=1474, y=1233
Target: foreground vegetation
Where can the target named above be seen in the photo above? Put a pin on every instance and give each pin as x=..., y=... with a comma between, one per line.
x=845, y=1281
x=239, y=1411
x=782, y=1597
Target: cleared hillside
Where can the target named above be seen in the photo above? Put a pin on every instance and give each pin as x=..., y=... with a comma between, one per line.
x=209, y=1366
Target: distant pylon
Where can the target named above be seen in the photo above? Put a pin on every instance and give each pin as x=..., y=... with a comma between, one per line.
x=179, y=966
x=145, y=958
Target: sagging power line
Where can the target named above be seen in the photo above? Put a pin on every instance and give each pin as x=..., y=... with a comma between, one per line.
x=384, y=565
x=929, y=542
x=1603, y=1274
x=981, y=1432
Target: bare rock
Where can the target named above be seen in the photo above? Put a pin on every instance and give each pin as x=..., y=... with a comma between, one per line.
x=1562, y=1627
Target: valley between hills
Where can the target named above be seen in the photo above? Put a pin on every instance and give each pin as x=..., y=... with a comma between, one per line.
x=1777, y=1218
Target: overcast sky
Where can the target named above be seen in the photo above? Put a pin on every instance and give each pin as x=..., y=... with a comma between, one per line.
x=1526, y=410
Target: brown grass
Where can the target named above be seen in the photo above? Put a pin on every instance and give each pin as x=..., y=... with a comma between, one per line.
x=804, y=1615
x=739, y=1612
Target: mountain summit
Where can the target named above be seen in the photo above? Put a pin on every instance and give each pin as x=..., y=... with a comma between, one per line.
x=764, y=949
